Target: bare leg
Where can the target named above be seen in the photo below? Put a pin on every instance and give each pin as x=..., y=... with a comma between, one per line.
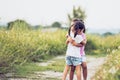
x=78, y=72
x=65, y=72
x=72, y=72
x=84, y=68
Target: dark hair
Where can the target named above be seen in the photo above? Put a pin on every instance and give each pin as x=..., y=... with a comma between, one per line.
x=76, y=20
x=78, y=25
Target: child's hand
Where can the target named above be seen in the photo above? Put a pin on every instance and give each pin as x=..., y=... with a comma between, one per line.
x=70, y=39
x=67, y=41
x=67, y=35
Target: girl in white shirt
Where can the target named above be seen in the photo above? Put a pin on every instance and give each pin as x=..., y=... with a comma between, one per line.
x=73, y=56
x=82, y=52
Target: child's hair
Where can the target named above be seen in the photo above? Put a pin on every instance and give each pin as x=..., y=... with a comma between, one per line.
x=74, y=22
x=78, y=25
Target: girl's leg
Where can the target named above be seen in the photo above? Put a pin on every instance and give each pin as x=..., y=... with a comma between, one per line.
x=65, y=72
x=78, y=72
x=84, y=68
x=72, y=72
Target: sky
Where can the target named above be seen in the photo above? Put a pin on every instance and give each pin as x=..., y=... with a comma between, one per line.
x=101, y=14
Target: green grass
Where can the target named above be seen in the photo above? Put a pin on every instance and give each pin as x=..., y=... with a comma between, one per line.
x=48, y=79
x=97, y=55
x=20, y=49
x=30, y=68
x=58, y=65
x=111, y=69
x=27, y=69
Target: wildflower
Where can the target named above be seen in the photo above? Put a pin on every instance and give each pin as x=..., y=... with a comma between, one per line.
x=113, y=70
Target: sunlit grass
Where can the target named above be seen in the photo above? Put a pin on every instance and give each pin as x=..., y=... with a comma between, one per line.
x=18, y=48
x=111, y=69
x=58, y=65
x=30, y=68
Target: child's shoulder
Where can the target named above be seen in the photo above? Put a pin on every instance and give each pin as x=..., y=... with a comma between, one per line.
x=83, y=35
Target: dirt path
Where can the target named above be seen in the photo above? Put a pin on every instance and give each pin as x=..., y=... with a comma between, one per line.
x=93, y=65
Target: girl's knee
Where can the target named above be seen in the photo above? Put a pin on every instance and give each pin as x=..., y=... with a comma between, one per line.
x=84, y=67
x=78, y=67
x=66, y=68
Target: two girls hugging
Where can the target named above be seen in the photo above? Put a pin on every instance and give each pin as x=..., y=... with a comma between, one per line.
x=75, y=54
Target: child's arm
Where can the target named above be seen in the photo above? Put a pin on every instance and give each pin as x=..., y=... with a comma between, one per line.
x=84, y=42
x=67, y=41
x=77, y=44
x=74, y=43
x=66, y=35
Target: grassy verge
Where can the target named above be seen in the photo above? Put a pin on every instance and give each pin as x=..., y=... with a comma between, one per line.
x=19, y=47
x=29, y=68
x=111, y=69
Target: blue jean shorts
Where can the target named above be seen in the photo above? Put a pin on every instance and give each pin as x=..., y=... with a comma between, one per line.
x=83, y=58
x=70, y=60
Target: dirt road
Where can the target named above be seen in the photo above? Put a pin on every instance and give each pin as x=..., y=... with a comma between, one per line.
x=93, y=64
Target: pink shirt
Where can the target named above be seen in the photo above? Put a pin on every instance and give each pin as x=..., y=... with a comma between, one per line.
x=82, y=52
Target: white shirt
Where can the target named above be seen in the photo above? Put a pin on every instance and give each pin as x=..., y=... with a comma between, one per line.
x=73, y=50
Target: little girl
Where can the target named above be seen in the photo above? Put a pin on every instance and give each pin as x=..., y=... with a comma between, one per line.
x=82, y=52
x=73, y=56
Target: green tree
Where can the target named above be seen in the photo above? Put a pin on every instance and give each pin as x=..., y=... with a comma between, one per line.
x=56, y=24
x=77, y=13
x=18, y=25
x=38, y=27
x=107, y=34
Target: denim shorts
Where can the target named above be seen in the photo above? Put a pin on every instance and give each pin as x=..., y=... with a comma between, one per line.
x=70, y=60
x=83, y=58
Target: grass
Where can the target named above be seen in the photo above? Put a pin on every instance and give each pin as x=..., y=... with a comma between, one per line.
x=30, y=68
x=58, y=65
x=20, y=49
x=97, y=55
x=49, y=79
x=111, y=69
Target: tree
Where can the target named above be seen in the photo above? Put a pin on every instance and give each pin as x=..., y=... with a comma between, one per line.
x=18, y=25
x=107, y=34
x=38, y=27
x=77, y=13
x=56, y=24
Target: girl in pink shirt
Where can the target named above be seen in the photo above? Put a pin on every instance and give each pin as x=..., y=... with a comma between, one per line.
x=82, y=52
